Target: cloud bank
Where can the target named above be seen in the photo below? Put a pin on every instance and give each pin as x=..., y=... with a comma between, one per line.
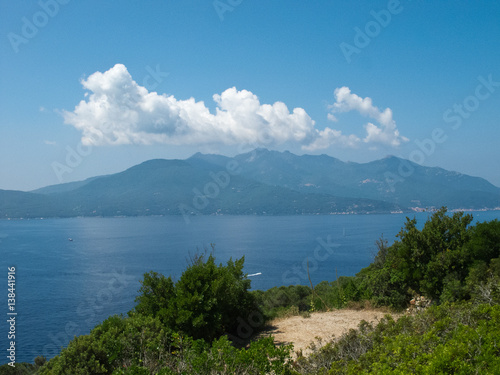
x=116, y=111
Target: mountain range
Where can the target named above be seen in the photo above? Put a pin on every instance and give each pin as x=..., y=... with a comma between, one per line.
x=261, y=182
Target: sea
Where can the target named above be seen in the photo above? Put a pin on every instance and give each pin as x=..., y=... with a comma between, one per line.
x=71, y=274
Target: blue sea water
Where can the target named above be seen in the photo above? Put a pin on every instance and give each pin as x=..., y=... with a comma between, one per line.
x=65, y=287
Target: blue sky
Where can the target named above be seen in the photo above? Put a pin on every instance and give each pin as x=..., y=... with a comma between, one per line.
x=94, y=87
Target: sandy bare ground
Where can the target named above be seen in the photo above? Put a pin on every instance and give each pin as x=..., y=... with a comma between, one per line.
x=301, y=331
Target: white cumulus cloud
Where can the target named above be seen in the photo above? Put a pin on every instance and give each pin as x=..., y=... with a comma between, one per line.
x=387, y=133
x=116, y=110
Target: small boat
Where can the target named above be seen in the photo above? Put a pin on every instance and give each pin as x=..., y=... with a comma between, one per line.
x=70, y=239
x=255, y=274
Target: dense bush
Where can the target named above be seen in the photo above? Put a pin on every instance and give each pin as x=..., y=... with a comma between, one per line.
x=281, y=302
x=139, y=345
x=116, y=343
x=276, y=302
x=436, y=261
x=19, y=369
x=205, y=303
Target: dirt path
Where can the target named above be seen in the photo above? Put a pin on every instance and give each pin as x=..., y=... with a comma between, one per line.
x=302, y=331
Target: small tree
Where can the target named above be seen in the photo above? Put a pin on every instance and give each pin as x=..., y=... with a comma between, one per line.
x=429, y=261
x=382, y=247
x=205, y=303
x=157, y=294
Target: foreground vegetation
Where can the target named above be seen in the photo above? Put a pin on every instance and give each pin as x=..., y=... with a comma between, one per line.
x=201, y=323
x=448, y=339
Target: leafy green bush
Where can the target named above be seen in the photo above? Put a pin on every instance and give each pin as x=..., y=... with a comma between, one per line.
x=206, y=301
x=116, y=343
x=156, y=294
x=295, y=299
x=435, y=261
x=19, y=369
x=261, y=357
x=277, y=302
x=138, y=345
x=83, y=356
x=210, y=298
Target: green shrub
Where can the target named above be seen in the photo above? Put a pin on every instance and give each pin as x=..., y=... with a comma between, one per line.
x=116, y=343
x=210, y=298
x=205, y=303
x=83, y=356
x=435, y=261
x=156, y=294
x=19, y=369
x=261, y=357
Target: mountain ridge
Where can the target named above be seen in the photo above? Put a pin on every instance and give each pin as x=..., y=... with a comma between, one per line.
x=259, y=182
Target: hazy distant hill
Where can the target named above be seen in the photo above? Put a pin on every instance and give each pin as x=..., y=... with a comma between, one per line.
x=21, y=204
x=390, y=179
x=259, y=182
x=61, y=188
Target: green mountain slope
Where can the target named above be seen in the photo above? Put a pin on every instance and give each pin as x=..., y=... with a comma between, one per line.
x=260, y=182
x=390, y=179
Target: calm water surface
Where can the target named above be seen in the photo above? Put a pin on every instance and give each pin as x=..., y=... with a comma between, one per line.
x=64, y=288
